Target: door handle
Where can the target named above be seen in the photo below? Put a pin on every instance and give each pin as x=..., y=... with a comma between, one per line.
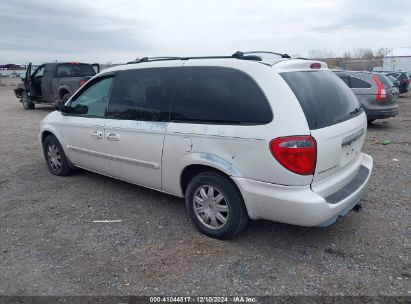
x=97, y=134
x=113, y=136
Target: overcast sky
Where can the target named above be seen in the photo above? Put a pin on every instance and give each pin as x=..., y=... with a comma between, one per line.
x=122, y=30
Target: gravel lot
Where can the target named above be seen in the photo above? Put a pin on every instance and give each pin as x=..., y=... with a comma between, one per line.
x=49, y=244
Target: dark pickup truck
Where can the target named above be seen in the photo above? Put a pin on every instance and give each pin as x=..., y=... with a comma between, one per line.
x=53, y=81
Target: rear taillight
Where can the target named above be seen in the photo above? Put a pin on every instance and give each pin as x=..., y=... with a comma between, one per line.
x=296, y=153
x=82, y=82
x=405, y=80
x=381, y=94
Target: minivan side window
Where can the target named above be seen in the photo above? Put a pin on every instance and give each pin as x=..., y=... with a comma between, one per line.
x=218, y=95
x=356, y=83
x=143, y=94
x=91, y=100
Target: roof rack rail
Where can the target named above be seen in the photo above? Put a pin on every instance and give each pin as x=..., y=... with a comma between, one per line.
x=265, y=52
x=238, y=55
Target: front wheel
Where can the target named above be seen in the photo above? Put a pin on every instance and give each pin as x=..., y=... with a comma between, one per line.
x=215, y=205
x=55, y=157
x=26, y=101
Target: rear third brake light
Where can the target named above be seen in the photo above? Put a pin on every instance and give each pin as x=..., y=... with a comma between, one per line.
x=381, y=90
x=296, y=153
x=315, y=65
x=82, y=82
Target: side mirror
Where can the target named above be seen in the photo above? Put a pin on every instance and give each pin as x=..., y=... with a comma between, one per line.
x=79, y=109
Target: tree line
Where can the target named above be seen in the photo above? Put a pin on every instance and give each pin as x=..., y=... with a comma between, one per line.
x=358, y=53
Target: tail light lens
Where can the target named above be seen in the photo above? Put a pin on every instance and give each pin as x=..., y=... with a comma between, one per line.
x=381, y=94
x=82, y=82
x=296, y=153
x=405, y=80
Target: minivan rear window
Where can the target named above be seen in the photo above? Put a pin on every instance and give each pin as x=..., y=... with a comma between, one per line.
x=325, y=99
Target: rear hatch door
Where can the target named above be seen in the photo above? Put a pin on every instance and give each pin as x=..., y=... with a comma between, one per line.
x=335, y=118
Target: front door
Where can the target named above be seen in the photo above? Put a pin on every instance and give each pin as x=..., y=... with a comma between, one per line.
x=28, y=82
x=138, y=115
x=83, y=126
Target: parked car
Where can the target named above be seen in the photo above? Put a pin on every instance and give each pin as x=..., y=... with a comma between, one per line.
x=404, y=80
x=396, y=85
x=52, y=81
x=238, y=139
x=374, y=91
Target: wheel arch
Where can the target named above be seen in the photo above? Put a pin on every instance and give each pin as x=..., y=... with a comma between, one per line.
x=193, y=169
x=63, y=90
x=50, y=130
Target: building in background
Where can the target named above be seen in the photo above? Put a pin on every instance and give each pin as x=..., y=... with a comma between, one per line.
x=399, y=59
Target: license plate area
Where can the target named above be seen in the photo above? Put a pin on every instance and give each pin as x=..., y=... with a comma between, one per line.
x=351, y=147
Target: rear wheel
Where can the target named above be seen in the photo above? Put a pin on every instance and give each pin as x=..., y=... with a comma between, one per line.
x=215, y=205
x=55, y=157
x=26, y=101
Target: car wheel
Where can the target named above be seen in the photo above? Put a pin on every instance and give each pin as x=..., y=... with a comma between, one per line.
x=26, y=101
x=56, y=159
x=215, y=205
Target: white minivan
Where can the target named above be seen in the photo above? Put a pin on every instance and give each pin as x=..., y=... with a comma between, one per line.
x=237, y=136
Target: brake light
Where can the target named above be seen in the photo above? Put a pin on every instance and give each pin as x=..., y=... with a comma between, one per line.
x=82, y=82
x=405, y=80
x=381, y=90
x=74, y=62
x=315, y=65
x=296, y=153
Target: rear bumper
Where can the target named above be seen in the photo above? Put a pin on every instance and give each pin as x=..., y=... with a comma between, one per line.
x=404, y=89
x=300, y=205
x=381, y=113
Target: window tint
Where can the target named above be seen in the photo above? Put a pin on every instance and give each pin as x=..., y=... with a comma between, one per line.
x=91, y=101
x=63, y=70
x=324, y=98
x=219, y=95
x=82, y=70
x=345, y=79
x=74, y=70
x=143, y=94
x=356, y=83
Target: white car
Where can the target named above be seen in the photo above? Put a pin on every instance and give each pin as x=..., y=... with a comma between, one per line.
x=239, y=137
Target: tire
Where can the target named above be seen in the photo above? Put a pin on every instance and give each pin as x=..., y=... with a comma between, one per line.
x=55, y=157
x=26, y=101
x=371, y=120
x=227, y=203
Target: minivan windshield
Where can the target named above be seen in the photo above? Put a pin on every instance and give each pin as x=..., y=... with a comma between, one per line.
x=325, y=99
